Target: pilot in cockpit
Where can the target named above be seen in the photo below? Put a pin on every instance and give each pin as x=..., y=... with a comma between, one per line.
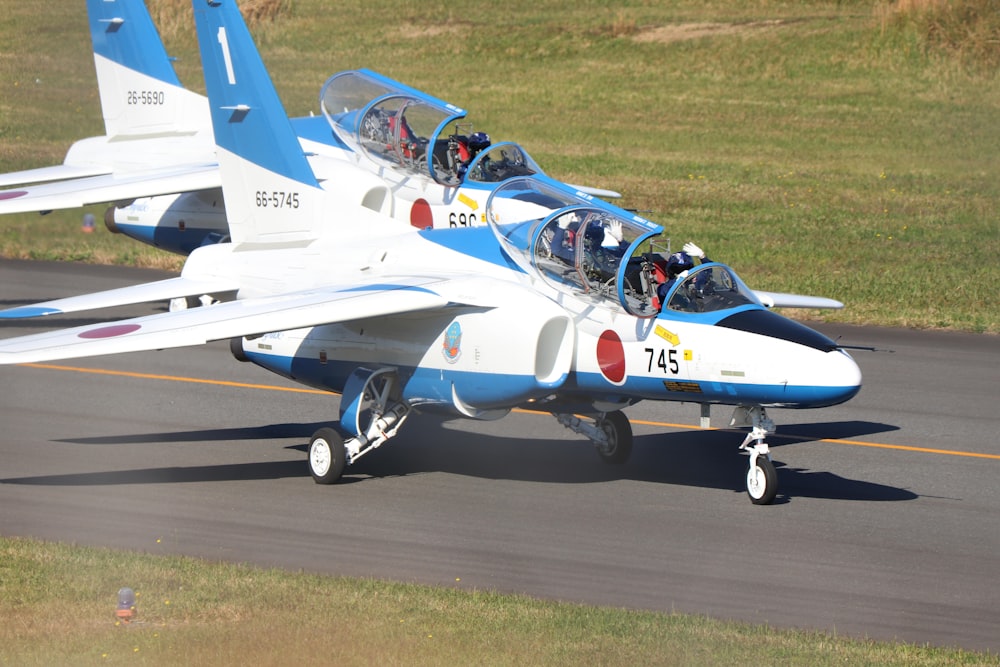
x=563, y=242
x=469, y=149
x=603, y=244
x=678, y=265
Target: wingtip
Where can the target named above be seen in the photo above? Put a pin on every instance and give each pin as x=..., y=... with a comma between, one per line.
x=25, y=312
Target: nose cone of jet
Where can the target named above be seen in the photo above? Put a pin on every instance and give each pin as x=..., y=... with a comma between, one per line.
x=813, y=371
x=842, y=378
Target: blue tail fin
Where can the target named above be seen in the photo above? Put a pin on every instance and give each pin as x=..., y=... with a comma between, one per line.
x=140, y=92
x=270, y=190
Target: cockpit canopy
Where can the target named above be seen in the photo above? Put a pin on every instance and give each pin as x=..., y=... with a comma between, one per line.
x=399, y=126
x=708, y=288
x=576, y=243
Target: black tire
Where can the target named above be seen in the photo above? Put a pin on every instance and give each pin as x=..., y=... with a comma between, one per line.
x=327, y=456
x=619, y=431
x=762, y=482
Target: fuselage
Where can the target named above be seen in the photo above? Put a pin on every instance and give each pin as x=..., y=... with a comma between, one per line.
x=529, y=343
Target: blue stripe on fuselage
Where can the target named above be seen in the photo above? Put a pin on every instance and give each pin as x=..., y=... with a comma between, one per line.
x=317, y=129
x=477, y=242
x=707, y=391
x=171, y=239
x=420, y=385
x=492, y=390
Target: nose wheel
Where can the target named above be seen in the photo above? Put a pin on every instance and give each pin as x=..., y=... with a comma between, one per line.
x=762, y=478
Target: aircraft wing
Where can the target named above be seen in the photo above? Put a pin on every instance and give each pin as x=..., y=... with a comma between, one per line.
x=77, y=192
x=247, y=317
x=60, y=172
x=782, y=300
x=156, y=291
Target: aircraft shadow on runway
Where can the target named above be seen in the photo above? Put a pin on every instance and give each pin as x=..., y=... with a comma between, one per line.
x=70, y=320
x=706, y=459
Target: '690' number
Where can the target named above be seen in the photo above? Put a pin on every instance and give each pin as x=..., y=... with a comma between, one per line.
x=461, y=219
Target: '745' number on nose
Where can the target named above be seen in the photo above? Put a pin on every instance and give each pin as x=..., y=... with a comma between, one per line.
x=666, y=361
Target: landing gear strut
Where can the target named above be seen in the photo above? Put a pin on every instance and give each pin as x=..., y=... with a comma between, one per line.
x=762, y=478
x=371, y=413
x=610, y=432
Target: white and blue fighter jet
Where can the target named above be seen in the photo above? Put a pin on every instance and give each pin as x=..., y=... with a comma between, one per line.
x=379, y=143
x=470, y=322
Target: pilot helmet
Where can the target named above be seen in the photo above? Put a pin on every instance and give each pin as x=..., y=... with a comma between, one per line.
x=594, y=235
x=478, y=141
x=678, y=263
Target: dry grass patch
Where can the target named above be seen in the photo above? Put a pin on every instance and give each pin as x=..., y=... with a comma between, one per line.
x=685, y=31
x=173, y=17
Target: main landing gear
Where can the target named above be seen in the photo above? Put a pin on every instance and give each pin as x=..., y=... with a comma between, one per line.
x=371, y=413
x=610, y=432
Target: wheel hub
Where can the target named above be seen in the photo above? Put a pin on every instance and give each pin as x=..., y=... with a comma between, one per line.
x=320, y=457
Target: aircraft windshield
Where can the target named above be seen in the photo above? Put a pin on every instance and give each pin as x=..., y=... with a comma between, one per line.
x=709, y=288
x=500, y=162
x=577, y=244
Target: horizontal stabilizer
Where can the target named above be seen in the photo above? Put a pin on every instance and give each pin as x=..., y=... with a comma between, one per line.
x=109, y=188
x=781, y=300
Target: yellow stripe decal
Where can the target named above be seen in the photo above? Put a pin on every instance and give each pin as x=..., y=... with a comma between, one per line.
x=468, y=201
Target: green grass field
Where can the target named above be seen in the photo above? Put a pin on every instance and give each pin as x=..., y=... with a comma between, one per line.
x=803, y=143
x=58, y=603
x=800, y=142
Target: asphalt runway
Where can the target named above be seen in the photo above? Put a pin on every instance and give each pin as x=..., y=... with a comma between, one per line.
x=887, y=523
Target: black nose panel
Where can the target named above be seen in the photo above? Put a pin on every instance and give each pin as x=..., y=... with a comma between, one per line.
x=766, y=323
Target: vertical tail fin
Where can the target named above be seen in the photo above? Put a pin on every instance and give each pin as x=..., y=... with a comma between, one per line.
x=270, y=190
x=140, y=92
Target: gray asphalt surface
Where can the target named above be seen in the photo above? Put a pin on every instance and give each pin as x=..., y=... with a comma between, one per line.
x=889, y=543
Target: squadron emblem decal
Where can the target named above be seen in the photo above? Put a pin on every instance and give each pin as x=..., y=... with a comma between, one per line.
x=452, y=348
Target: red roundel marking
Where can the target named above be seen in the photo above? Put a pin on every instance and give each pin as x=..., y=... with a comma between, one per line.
x=111, y=331
x=420, y=214
x=13, y=195
x=611, y=356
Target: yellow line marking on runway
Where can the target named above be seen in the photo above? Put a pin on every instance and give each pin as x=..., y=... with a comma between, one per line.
x=298, y=390
x=175, y=378
x=856, y=443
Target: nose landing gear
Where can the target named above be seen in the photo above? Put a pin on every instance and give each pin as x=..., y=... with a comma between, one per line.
x=762, y=478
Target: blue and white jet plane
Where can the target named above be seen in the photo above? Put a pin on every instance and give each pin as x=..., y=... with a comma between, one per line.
x=157, y=141
x=470, y=322
x=379, y=143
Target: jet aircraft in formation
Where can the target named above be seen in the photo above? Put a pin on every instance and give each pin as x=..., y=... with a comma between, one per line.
x=378, y=142
x=551, y=304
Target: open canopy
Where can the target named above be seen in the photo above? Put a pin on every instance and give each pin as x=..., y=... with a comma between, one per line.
x=576, y=243
x=399, y=126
